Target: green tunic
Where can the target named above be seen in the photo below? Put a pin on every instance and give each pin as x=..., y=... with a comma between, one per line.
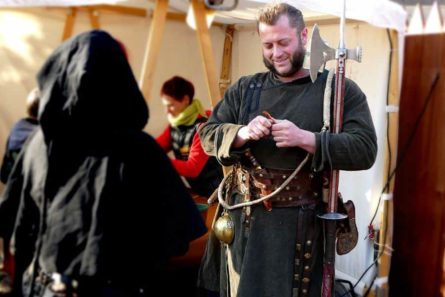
x=262, y=256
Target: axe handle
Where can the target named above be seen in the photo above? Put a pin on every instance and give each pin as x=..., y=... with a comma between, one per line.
x=330, y=225
x=337, y=123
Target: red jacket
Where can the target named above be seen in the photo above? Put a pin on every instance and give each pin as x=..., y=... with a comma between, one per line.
x=197, y=157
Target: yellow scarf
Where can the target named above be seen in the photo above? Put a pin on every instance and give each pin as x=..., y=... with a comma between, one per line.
x=189, y=115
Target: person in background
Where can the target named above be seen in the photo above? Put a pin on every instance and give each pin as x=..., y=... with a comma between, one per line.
x=185, y=114
x=267, y=125
x=93, y=203
x=19, y=133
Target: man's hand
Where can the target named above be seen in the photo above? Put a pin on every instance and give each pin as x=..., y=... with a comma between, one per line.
x=287, y=134
x=258, y=128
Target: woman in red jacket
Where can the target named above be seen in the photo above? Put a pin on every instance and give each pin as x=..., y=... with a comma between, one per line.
x=185, y=114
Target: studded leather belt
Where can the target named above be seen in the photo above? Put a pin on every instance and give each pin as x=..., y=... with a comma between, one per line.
x=303, y=190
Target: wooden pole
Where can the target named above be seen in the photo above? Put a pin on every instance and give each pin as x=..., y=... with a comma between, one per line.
x=69, y=23
x=224, y=79
x=153, y=46
x=205, y=46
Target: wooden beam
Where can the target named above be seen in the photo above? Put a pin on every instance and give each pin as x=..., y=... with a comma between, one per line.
x=181, y=17
x=153, y=45
x=224, y=78
x=205, y=46
x=69, y=23
x=132, y=11
x=122, y=9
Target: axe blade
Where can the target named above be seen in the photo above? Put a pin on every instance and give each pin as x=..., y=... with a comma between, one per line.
x=320, y=53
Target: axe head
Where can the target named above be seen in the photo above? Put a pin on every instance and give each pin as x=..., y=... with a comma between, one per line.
x=320, y=53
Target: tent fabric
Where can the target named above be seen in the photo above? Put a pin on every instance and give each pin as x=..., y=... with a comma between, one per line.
x=380, y=13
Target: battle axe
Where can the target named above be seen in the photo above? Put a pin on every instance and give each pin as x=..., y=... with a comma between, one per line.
x=320, y=53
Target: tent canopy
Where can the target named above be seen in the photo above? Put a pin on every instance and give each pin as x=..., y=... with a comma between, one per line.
x=381, y=13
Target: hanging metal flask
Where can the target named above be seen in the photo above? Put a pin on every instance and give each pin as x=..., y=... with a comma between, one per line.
x=224, y=228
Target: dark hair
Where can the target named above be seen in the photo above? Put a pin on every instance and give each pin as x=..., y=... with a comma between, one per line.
x=177, y=87
x=270, y=14
x=32, y=103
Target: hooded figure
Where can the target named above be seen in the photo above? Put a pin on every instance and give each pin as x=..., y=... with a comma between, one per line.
x=94, y=205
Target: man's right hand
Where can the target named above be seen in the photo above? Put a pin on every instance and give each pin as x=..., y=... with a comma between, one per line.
x=257, y=128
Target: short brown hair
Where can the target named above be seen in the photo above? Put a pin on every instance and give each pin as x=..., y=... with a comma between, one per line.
x=270, y=14
x=177, y=87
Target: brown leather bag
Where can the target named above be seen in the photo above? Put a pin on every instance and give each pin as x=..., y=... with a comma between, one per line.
x=347, y=233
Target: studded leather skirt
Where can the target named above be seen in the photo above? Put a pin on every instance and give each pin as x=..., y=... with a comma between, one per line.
x=304, y=191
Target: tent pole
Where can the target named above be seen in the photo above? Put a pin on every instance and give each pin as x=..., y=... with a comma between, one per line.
x=224, y=78
x=153, y=46
x=69, y=23
x=205, y=46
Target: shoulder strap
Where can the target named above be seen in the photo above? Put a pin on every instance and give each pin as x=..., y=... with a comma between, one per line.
x=251, y=97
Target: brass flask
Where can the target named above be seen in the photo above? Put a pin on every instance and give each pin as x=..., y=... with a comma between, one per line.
x=224, y=228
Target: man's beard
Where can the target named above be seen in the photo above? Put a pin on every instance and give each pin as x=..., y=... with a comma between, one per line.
x=296, y=61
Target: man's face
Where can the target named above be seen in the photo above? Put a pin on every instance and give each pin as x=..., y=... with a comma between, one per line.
x=174, y=107
x=283, y=48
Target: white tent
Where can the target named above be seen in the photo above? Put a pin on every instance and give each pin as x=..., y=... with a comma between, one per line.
x=381, y=13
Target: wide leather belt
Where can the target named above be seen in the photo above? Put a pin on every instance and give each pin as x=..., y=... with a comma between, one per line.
x=303, y=190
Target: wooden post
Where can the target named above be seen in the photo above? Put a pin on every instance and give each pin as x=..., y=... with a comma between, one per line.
x=153, y=46
x=69, y=23
x=224, y=79
x=205, y=47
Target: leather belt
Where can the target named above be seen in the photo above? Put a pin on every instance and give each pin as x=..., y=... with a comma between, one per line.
x=303, y=190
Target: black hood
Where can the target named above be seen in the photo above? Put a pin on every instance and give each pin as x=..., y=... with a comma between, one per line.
x=88, y=88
